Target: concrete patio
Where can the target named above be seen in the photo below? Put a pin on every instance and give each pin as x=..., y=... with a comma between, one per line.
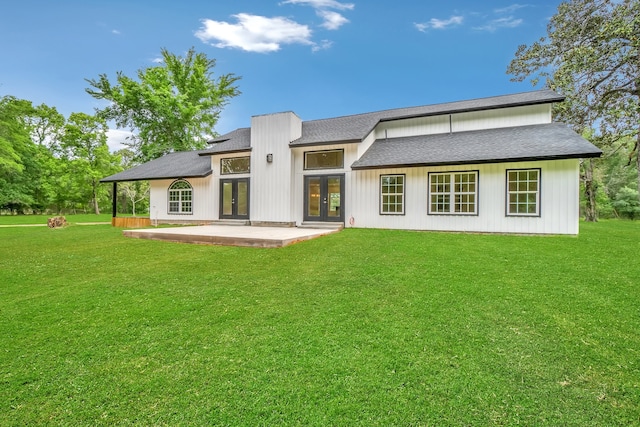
x=232, y=235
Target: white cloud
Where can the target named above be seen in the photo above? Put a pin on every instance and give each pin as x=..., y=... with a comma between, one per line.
x=116, y=32
x=322, y=4
x=254, y=33
x=332, y=20
x=116, y=139
x=421, y=26
x=510, y=9
x=493, y=25
x=324, y=45
x=439, y=24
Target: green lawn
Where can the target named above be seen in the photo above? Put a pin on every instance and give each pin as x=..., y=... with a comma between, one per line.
x=42, y=219
x=363, y=327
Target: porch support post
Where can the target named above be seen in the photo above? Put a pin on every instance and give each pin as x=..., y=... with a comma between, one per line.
x=115, y=199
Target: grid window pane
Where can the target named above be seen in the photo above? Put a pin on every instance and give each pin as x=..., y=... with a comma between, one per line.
x=453, y=193
x=180, y=197
x=392, y=194
x=523, y=190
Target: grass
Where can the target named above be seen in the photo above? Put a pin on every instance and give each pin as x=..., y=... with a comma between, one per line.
x=363, y=327
x=7, y=220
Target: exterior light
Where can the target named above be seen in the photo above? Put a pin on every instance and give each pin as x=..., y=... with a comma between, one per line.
x=269, y=158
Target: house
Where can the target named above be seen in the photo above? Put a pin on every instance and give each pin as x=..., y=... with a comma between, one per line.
x=496, y=165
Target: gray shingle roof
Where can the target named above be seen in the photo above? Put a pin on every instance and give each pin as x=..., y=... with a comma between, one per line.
x=522, y=143
x=232, y=142
x=183, y=164
x=357, y=127
x=501, y=145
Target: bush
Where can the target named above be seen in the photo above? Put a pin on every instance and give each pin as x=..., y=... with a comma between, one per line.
x=626, y=203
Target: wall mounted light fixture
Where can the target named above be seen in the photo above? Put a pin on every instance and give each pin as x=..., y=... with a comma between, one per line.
x=269, y=158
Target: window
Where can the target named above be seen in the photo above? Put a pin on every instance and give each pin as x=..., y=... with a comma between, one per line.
x=453, y=193
x=330, y=159
x=392, y=194
x=234, y=165
x=180, y=198
x=523, y=192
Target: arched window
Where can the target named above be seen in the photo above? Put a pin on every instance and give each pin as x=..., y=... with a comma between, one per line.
x=180, y=198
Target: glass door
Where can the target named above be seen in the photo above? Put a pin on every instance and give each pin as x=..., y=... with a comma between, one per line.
x=234, y=198
x=323, y=198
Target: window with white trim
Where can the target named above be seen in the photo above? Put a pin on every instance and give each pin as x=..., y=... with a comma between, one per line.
x=523, y=192
x=392, y=194
x=180, y=198
x=453, y=193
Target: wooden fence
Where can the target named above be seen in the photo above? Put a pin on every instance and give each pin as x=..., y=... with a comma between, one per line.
x=130, y=222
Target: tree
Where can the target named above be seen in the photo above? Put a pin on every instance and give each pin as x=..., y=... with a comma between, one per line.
x=18, y=162
x=591, y=55
x=45, y=124
x=173, y=107
x=134, y=191
x=84, y=145
x=626, y=203
x=12, y=135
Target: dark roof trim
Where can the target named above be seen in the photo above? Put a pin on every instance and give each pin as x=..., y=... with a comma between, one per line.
x=322, y=143
x=215, y=153
x=477, y=162
x=157, y=178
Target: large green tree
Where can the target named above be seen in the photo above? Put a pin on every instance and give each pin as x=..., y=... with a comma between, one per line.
x=84, y=146
x=170, y=107
x=591, y=55
x=16, y=149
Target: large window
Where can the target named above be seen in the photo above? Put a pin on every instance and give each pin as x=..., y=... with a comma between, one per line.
x=180, y=198
x=453, y=193
x=329, y=159
x=234, y=165
x=523, y=192
x=392, y=194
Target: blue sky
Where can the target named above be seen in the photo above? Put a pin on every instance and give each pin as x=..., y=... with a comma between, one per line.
x=317, y=58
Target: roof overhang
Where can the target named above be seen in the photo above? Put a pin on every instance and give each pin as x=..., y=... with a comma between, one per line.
x=155, y=178
x=473, y=162
x=552, y=141
x=215, y=153
x=322, y=143
x=182, y=164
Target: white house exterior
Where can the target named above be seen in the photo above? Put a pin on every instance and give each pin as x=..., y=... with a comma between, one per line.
x=496, y=165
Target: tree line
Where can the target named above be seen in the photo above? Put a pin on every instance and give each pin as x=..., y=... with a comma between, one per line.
x=51, y=163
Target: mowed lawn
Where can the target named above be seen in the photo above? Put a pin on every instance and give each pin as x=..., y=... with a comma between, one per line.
x=363, y=327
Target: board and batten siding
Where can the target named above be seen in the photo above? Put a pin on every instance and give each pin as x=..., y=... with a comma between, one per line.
x=203, y=201
x=461, y=122
x=559, y=200
x=271, y=186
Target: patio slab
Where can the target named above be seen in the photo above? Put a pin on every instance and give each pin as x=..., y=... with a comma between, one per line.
x=232, y=235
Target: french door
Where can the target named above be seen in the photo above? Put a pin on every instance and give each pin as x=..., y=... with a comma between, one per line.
x=324, y=198
x=234, y=198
